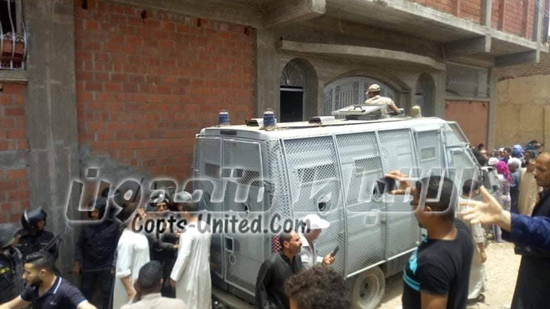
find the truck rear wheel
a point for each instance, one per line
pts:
(368, 289)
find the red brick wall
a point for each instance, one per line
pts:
(471, 9)
(14, 187)
(514, 12)
(471, 116)
(514, 16)
(146, 86)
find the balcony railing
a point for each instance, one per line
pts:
(13, 35)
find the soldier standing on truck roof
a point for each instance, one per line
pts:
(375, 98)
(313, 228)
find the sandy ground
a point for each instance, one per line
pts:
(501, 266)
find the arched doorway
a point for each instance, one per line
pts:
(350, 91)
(424, 96)
(298, 90)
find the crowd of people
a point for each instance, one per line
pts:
(172, 269)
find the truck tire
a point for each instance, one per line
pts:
(368, 289)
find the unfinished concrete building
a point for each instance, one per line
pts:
(124, 85)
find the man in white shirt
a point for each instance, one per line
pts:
(314, 226)
(375, 98)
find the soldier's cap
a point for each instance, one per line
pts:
(7, 234)
(374, 88)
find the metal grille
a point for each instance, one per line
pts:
(361, 167)
(278, 191)
(315, 188)
(402, 228)
(242, 169)
(207, 167)
(430, 156)
(13, 35)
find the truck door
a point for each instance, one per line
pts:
(207, 173)
(365, 215)
(315, 186)
(243, 250)
(397, 152)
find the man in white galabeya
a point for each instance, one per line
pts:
(191, 273)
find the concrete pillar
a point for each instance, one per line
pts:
(51, 114)
(440, 93)
(491, 128)
(268, 72)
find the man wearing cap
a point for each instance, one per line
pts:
(94, 252)
(375, 98)
(148, 286)
(11, 264)
(313, 225)
(33, 236)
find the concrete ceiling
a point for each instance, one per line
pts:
(388, 18)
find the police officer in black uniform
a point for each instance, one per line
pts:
(94, 253)
(163, 246)
(33, 236)
(11, 264)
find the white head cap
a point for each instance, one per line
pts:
(493, 161)
(315, 222)
(183, 197)
(514, 161)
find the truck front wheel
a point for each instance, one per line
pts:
(368, 289)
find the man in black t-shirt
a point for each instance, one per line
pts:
(438, 271)
(45, 289)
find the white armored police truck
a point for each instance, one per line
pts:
(268, 176)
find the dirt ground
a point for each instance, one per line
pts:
(501, 266)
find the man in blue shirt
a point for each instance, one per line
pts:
(531, 236)
(45, 289)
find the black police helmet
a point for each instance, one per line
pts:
(31, 217)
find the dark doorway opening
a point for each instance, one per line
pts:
(292, 104)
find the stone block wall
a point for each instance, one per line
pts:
(523, 110)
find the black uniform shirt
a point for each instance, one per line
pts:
(11, 271)
(62, 295)
(33, 243)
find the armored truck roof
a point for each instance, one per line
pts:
(303, 129)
